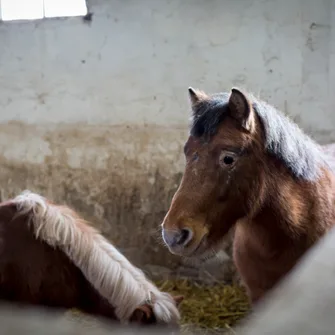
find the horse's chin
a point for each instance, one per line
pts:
(204, 255)
(205, 251)
(193, 250)
(200, 251)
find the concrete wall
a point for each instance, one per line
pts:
(95, 114)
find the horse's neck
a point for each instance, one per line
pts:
(299, 210)
(93, 303)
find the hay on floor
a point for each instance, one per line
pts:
(208, 307)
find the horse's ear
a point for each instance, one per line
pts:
(196, 96)
(178, 299)
(240, 108)
(142, 314)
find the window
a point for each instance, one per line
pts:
(39, 9)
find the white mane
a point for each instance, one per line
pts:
(112, 275)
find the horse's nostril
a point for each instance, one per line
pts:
(185, 236)
(179, 237)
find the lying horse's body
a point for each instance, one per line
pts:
(49, 256)
(251, 168)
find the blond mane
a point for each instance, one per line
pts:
(108, 271)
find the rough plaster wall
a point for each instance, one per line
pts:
(95, 114)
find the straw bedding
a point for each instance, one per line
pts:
(208, 308)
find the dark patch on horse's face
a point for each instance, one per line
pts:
(221, 177)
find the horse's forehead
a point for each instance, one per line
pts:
(225, 135)
(196, 144)
(194, 141)
(228, 135)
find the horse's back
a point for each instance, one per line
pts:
(30, 270)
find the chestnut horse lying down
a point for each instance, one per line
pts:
(304, 302)
(251, 169)
(52, 257)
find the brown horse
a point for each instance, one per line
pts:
(50, 256)
(249, 167)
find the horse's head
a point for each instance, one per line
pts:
(144, 314)
(223, 177)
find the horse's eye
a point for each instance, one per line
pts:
(228, 160)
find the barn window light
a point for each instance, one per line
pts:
(38, 9)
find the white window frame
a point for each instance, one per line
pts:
(82, 11)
